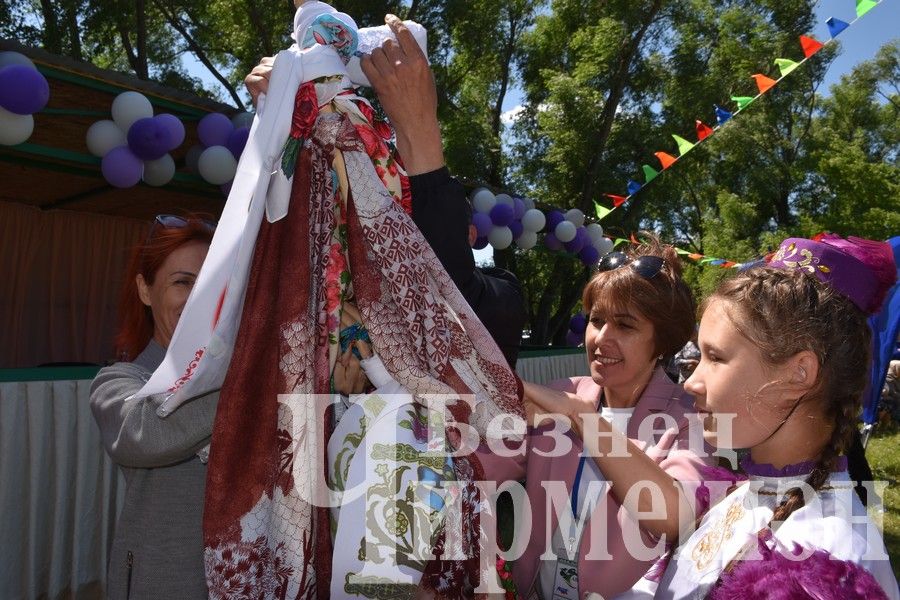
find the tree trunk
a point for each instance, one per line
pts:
(142, 70)
(51, 36)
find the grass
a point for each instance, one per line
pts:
(883, 453)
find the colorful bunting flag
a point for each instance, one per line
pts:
(703, 131)
(722, 115)
(742, 101)
(649, 173)
(619, 242)
(786, 65)
(763, 83)
(665, 159)
(864, 6)
(633, 187)
(601, 210)
(617, 200)
(684, 146)
(810, 45)
(836, 26)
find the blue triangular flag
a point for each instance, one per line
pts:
(633, 187)
(835, 26)
(722, 115)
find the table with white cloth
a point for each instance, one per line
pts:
(60, 493)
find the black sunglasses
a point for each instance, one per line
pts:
(647, 267)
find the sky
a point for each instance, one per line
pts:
(859, 42)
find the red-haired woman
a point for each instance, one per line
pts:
(158, 546)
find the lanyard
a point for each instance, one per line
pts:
(577, 483)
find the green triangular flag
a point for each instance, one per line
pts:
(682, 252)
(601, 210)
(619, 241)
(649, 174)
(864, 6)
(786, 65)
(706, 260)
(742, 101)
(684, 146)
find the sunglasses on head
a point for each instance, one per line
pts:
(175, 222)
(647, 267)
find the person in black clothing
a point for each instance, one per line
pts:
(403, 81)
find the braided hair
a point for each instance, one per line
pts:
(784, 312)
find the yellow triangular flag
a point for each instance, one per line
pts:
(786, 65)
(684, 146)
(601, 210)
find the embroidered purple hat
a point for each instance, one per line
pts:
(862, 270)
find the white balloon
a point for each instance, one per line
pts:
(14, 58)
(529, 203)
(128, 107)
(505, 199)
(217, 165)
(527, 240)
(193, 157)
(483, 200)
(242, 119)
(500, 237)
(604, 247)
(595, 232)
(576, 216)
(14, 129)
(103, 136)
(565, 231)
(533, 220)
(160, 171)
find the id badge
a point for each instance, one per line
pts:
(565, 584)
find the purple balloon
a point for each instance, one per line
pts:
(519, 207)
(578, 323)
(589, 256)
(502, 215)
(482, 223)
(149, 139)
(554, 218)
(552, 242)
(517, 228)
(574, 246)
(480, 243)
(574, 339)
(121, 167)
(214, 129)
(23, 90)
(175, 128)
(237, 139)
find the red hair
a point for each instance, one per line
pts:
(135, 318)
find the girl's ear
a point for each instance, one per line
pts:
(802, 371)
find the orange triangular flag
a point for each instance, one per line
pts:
(634, 239)
(617, 200)
(703, 131)
(763, 82)
(695, 256)
(665, 159)
(810, 45)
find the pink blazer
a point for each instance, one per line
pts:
(605, 577)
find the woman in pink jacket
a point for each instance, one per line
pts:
(586, 537)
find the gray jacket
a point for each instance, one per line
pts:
(158, 545)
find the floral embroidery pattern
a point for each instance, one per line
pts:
(802, 259)
(722, 530)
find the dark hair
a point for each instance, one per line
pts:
(784, 312)
(135, 318)
(664, 299)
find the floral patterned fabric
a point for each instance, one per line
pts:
(266, 523)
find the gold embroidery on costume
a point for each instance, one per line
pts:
(805, 261)
(708, 546)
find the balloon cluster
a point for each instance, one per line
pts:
(567, 232)
(577, 327)
(23, 92)
(135, 145)
(502, 219)
(222, 141)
